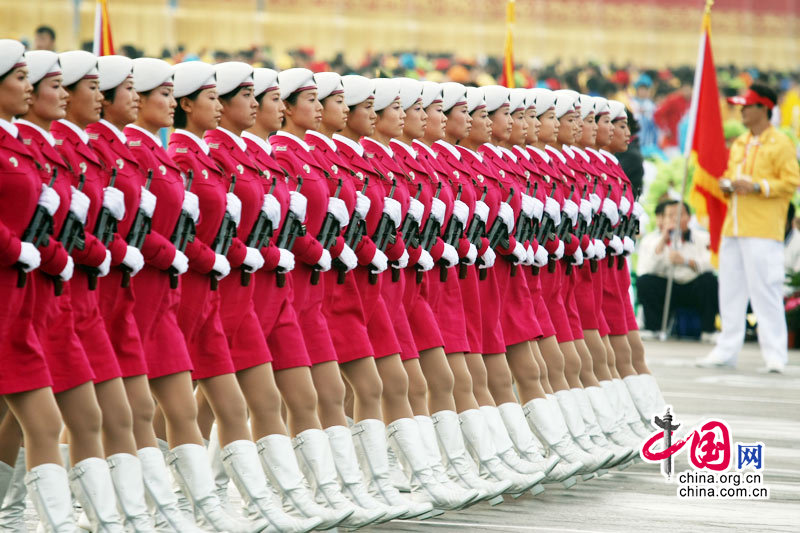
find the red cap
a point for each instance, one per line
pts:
(751, 98)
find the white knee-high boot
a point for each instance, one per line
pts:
(48, 487)
(630, 414)
(646, 396)
(574, 420)
(12, 506)
(609, 418)
(621, 454)
(126, 474)
(90, 481)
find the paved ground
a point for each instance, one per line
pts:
(757, 407)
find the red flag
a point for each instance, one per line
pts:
(507, 78)
(707, 142)
(103, 44)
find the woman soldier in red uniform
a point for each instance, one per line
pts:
(25, 382)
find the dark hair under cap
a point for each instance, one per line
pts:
(764, 90)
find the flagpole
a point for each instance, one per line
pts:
(677, 235)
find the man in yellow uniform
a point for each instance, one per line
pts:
(760, 181)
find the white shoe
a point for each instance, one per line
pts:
(648, 334)
(12, 506)
(570, 409)
(646, 396)
(772, 367)
(525, 442)
(396, 474)
(184, 504)
(90, 481)
(221, 479)
(48, 487)
(709, 337)
(192, 471)
(609, 419)
(712, 361)
(505, 446)
(621, 454)
(630, 413)
(547, 418)
(314, 454)
(126, 474)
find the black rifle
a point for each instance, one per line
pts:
(293, 227)
(618, 232)
(474, 233)
(227, 231)
(385, 233)
(71, 236)
(524, 226)
(562, 233)
(139, 230)
(452, 234)
(546, 229)
(260, 234)
(409, 232)
(499, 232)
(327, 235)
(38, 231)
(429, 233)
(104, 229)
(586, 230)
(356, 229)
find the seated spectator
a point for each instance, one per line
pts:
(694, 283)
(791, 249)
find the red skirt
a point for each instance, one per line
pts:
(584, 297)
(240, 323)
(553, 286)
(516, 311)
(156, 313)
(346, 322)
(308, 305)
(470, 296)
(448, 308)
(614, 308)
(91, 329)
(542, 312)
(422, 322)
(393, 294)
(278, 321)
(379, 325)
(571, 306)
(624, 283)
(22, 363)
(597, 286)
(54, 326)
(116, 307)
(492, 341)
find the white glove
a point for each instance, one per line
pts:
(272, 208)
(29, 257)
(286, 261)
(585, 209)
(298, 204)
(488, 258)
(628, 245)
(391, 207)
(506, 214)
(68, 271)
(559, 253)
(133, 259)
(338, 209)
(481, 211)
(362, 204)
(324, 262)
(553, 210)
(615, 245)
(450, 256)
(379, 262)
(610, 211)
(519, 253)
(402, 262)
(595, 201)
(538, 208)
(527, 205)
(233, 207)
(348, 257)
(577, 257)
(529, 256)
(114, 201)
(540, 258)
(415, 209)
(79, 205)
(624, 206)
(191, 204)
(472, 254)
(105, 266)
(589, 252)
(599, 250)
(461, 212)
(437, 210)
(571, 210)
(425, 260)
(253, 260)
(221, 266)
(147, 202)
(180, 262)
(638, 211)
(49, 199)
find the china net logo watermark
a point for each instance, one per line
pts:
(710, 455)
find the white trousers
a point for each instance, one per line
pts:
(751, 269)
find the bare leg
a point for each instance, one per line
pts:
(637, 352)
(263, 400)
(349, 400)
(117, 417)
(551, 353)
(205, 414)
(38, 416)
(537, 354)
(572, 364)
(362, 375)
(526, 371)
(480, 378)
(499, 378)
(174, 395)
(394, 400)
(587, 376)
(463, 395)
(299, 397)
(159, 422)
(227, 402)
(83, 419)
(143, 410)
(622, 355)
(610, 357)
(10, 439)
(597, 348)
(330, 393)
(417, 387)
(440, 380)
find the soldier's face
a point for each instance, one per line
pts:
(481, 131)
(519, 128)
(502, 123)
(125, 107)
(270, 113)
(589, 133)
(15, 93)
(49, 99)
(334, 112)
(85, 102)
(415, 122)
(204, 111)
(306, 113)
(532, 122)
(566, 128)
(622, 136)
(604, 131)
(362, 118)
(459, 122)
(548, 131)
(157, 107)
(437, 121)
(391, 120)
(241, 110)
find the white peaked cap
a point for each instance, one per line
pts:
(617, 109)
(328, 84)
(475, 99)
(530, 98)
(113, 71)
(431, 93)
(293, 80)
(565, 101)
(587, 105)
(386, 91)
(357, 89)
(600, 106)
(264, 79)
(496, 97)
(76, 65)
(231, 75)
(545, 100)
(12, 55)
(42, 64)
(410, 91)
(193, 76)
(517, 99)
(453, 94)
(149, 73)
